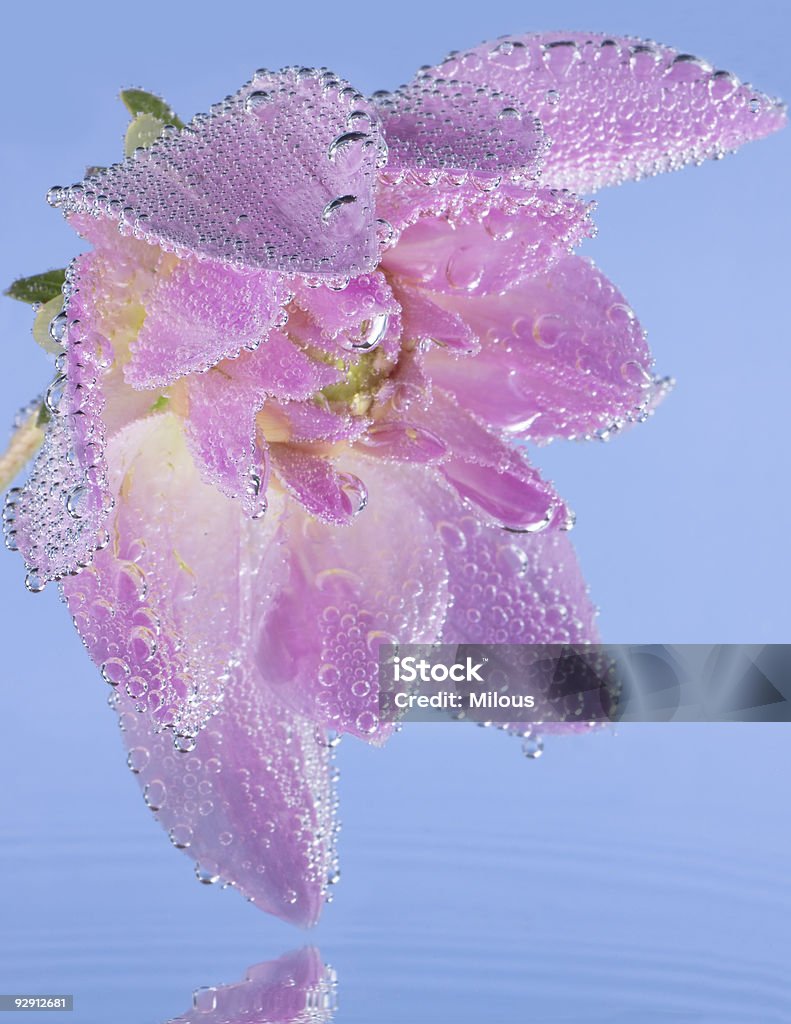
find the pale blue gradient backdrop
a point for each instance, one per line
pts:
(664, 861)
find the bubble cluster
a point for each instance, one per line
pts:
(454, 129)
(279, 176)
(616, 108)
(57, 521)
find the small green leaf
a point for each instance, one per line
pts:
(43, 417)
(142, 131)
(43, 319)
(38, 288)
(160, 405)
(138, 101)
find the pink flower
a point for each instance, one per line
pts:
(296, 365)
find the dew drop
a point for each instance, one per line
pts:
(331, 209)
(155, 794)
(355, 495)
(77, 501)
(58, 327)
(137, 759)
(372, 332)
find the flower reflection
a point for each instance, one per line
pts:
(295, 989)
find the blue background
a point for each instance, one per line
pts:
(634, 878)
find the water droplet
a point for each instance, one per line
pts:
(34, 581)
(137, 759)
(464, 269)
(346, 143)
(256, 101)
(155, 794)
(58, 327)
(204, 1000)
(207, 875)
(181, 836)
(114, 671)
(355, 495)
(546, 330)
(372, 332)
(533, 747)
(54, 394)
(77, 501)
(331, 209)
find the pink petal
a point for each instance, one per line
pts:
(308, 421)
(221, 187)
(361, 313)
(223, 404)
(332, 496)
(509, 588)
(200, 313)
(492, 476)
(379, 580)
(294, 989)
(480, 243)
(401, 441)
(564, 355)
(57, 520)
(166, 609)
(515, 498)
(617, 108)
(435, 124)
(252, 803)
(425, 321)
(170, 611)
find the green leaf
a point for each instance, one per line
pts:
(138, 101)
(160, 405)
(38, 288)
(41, 325)
(142, 131)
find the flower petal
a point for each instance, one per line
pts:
(424, 320)
(379, 580)
(221, 188)
(401, 441)
(494, 477)
(436, 124)
(200, 313)
(57, 520)
(563, 356)
(295, 989)
(171, 604)
(361, 312)
(252, 803)
(617, 108)
(510, 589)
(480, 243)
(223, 403)
(308, 421)
(332, 496)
